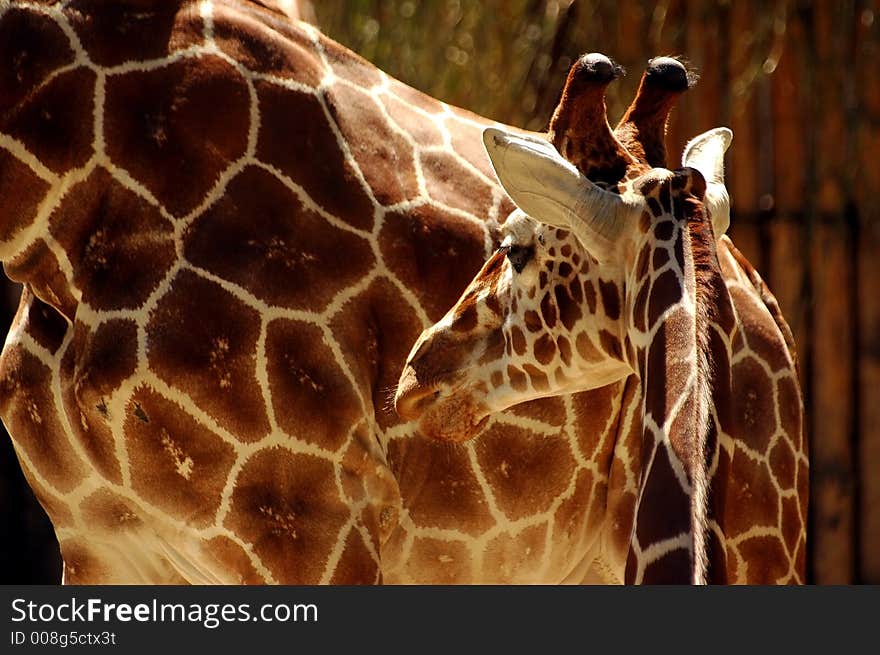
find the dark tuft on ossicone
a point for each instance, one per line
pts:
(670, 73)
(596, 68)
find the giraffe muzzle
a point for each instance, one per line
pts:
(445, 413)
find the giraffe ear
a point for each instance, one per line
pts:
(706, 153)
(551, 190)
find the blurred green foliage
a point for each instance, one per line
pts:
(507, 59)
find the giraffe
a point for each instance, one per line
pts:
(191, 397)
(229, 230)
(628, 277)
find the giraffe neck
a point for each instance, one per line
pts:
(682, 373)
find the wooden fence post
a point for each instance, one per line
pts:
(866, 189)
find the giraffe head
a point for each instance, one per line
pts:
(588, 264)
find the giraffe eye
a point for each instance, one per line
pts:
(519, 256)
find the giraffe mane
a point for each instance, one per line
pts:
(706, 275)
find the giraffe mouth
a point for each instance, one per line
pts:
(456, 419)
(446, 407)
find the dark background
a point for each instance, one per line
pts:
(799, 83)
